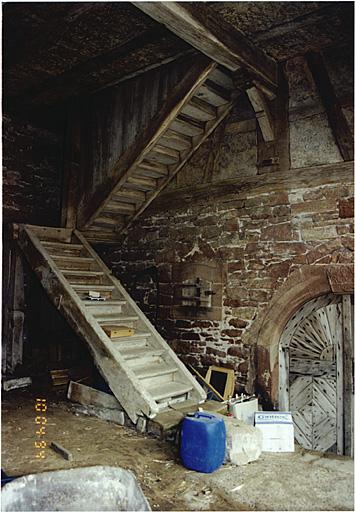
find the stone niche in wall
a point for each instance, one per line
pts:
(197, 290)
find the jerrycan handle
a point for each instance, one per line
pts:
(205, 415)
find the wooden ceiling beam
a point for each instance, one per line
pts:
(207, 31)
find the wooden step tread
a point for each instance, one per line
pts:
(115, 320)
(84, 273)
(103, 303)
(169, 390)
(141, 183)
(74, 259)
(175, 140)
(200, 109)
(100, 225)
(213, 94)
(150, 173)
(135, 337)
(135, 353)
(92, 287)
(115, 206)
(172, 155)
(185, 125)
(111, 219)
(154, 370)
(153, 166)
(129, 195)
(61, 245)
(221, 78)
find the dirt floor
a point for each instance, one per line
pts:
(297, 481)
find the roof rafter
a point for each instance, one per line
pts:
(206, 31)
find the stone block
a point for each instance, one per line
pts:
(341, 278)
(246, 313)
(215, 352)
(319, 233)
(348, 242)
(282, 232)
(280, 269)
(244, 442)
(141, 425)
(232, 333)
(235, 352)
(313, 206)
(346, 208)
(238, 323)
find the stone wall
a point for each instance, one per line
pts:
(258, 224)
(260, 238)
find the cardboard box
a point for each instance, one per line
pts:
(118, 331)
(277, 429)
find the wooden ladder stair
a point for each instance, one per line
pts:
(196, 108)
(142, 371)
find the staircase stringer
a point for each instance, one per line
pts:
(147, 139)
(173, 170)
(134, 306)
(133, 397)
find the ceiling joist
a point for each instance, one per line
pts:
(206, 31)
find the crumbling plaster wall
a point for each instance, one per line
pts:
(260, 227)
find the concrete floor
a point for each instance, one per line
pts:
(298, 481)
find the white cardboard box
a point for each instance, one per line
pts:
(277, 429)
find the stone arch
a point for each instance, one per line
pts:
(303, 285)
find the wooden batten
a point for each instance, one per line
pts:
(262, 113)
(348, 347)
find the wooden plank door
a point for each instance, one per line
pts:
(316, 384)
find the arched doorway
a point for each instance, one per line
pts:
(303, 286)
(311, 363)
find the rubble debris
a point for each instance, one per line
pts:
(23, 382)
(62, 451)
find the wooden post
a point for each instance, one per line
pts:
(348, 377)
(13, 305)
(338, 342)
(284, 399)
(274, 155)
(72, 167)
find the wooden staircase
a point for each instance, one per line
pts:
(196, 107)
(143, 372)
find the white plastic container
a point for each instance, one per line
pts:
(245, 411)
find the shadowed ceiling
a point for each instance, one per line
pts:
(53, 52)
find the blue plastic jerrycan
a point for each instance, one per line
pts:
(203, 442)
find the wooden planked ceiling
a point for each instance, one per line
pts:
(287, 29)
(54, 52)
